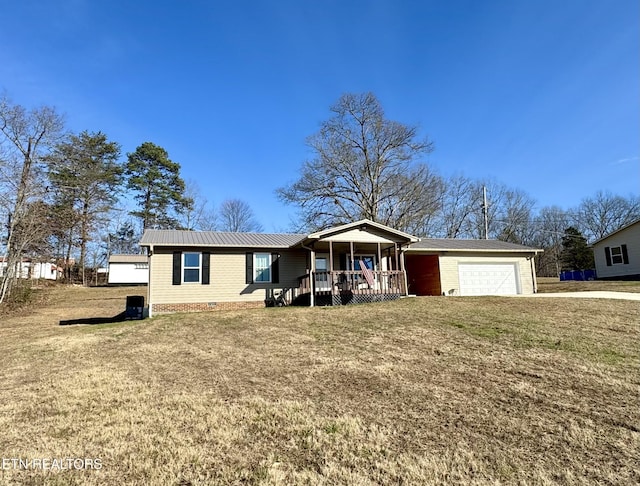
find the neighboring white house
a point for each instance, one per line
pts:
(46, 270)
(27, 268)
(617, 255)
(128, 269)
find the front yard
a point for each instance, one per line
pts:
(418, 391)
(550, 284)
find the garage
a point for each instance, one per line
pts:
(488, 279)
(457, 267)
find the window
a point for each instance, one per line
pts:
(321, 264)
(262, 267)
(369, 261)
(191, 267)
(616, 255)
(140, 266)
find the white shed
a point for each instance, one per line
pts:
(128, 269)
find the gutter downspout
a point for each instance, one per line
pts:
(149, 255)
(311, 275)
(533, 273)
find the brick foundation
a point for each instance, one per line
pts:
(204, 307)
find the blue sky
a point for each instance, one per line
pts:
(541, 95)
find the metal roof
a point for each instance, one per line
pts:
(363, 223)
(128, 259)
(219, 239)
(453, 244)
(287, 240)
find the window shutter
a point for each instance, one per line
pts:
(275, 268)
(177, 267)
(625, 255)
(607, 255)
(206, 257)
(249, 268)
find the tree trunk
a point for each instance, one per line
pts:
(147, 211)
(83, 239)
(14, 246)
(67, 259)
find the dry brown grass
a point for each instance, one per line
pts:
(550, 284)
(420, 391)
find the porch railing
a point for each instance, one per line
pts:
(337, 281)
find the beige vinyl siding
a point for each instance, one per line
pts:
(630, 237)
(449, 278)
(227, 277)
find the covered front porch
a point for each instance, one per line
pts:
(351, 287)
(356, 263)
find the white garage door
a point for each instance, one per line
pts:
(488, 278)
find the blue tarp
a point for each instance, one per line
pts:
(578, 275)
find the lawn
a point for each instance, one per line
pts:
(549, 284)
(434, 390)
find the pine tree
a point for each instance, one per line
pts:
(124, 240)
(157, 187)
(576, 254)
(85, 173)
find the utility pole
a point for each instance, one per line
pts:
(485, 212)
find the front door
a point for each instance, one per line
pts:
(423, 274)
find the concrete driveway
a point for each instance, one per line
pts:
(592, 294)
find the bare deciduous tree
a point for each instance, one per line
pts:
(199, 215)
(604, 213)
(459, 201)
(365, 166)
(25, 136)
(550, 225)
(237, 216)
(515, 217)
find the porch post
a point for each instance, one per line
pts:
(381, 284)
(404, 272)
(395, 253)
(353, 266)
(331, 270)
(312, 279)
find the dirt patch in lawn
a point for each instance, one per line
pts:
(419, 391)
